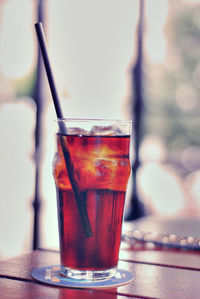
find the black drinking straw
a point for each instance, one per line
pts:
(63, 131)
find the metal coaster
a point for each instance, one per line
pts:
(51, 275)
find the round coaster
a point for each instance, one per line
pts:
(51, 275)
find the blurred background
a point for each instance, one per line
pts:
(128, 59)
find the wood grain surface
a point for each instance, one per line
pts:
(158, 274)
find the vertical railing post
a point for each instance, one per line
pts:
(37, 96)
(136, 208)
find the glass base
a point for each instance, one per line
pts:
(88, 274)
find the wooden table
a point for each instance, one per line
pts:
(158, 274)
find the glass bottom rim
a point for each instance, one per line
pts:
(88, 274)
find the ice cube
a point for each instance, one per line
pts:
(104, 168)
(106, 131)
(76, 131)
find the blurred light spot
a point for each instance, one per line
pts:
(156, 12)
(186, 97)
(193, 182)
(191, 158)
(16, 47)
(173, 62)
(152, 149)
(155, 39)
(160, 189)
(156, 46)
(16, 175)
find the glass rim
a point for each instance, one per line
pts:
(93, 119)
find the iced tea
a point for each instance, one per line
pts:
(102, 168)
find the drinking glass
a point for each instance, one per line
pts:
(93, 153)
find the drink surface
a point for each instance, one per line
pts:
(102, 168)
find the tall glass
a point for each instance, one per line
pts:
(99, 154)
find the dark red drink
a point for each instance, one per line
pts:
(102, 168)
